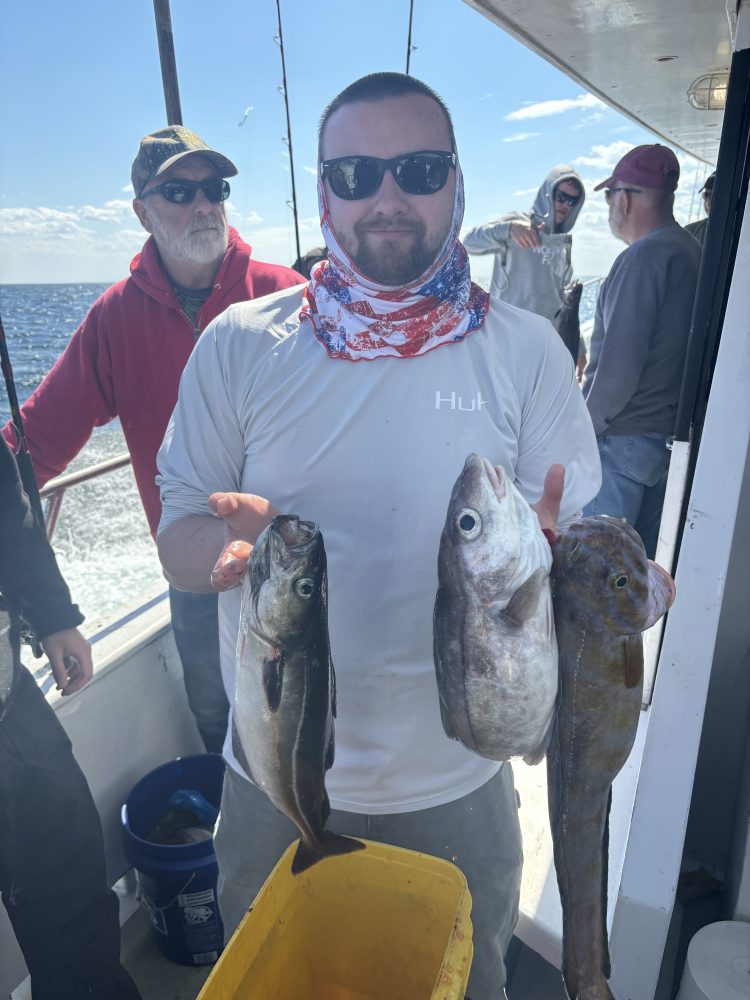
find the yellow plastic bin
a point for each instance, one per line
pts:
(379, 924)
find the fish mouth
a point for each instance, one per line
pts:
(293, 538)
(478, 466)
(661, 593)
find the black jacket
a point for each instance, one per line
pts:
(30, 580)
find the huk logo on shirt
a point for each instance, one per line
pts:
(452, 401)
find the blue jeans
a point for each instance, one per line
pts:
(634, 480)
(195, 623)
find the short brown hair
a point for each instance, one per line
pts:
(376, 87)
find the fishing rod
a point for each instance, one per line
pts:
(165, 39)
(23, 458)
(409, 47)
(279, 39)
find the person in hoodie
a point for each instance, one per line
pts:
(533, 249)
(126, 358)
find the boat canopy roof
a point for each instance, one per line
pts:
(641, 57)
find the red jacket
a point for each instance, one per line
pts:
(125, 360)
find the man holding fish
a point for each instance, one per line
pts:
(304, 403)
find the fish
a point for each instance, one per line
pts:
(566, 318)
(605, 593)
(494, 641)
(285, 695)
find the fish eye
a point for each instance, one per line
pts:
(468, 523)
(304, 587)
(620, 581)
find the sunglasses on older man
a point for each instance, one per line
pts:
(183, 192)
(566, 199)
(355, 177)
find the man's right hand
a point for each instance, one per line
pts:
(524, 235)
(245, 515)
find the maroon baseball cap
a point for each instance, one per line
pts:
(646, 166)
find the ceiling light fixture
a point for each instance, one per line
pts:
(709, 92)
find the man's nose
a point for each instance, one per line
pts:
(390, 198)
(201, 203)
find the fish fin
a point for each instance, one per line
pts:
(523, 603)
(330, 753)
(332, 843)
(332, 675)
(325, 808)
(239, 752)
(633, 661)
(606, 964)
(273, 674)
(447, 727)
(535, 756)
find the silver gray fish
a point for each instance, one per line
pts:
(566, 318)
(285, 696)
(605, 593)
(493, 635)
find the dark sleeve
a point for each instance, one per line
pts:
(630, 314)
(29, 576)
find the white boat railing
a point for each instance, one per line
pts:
(54, 491)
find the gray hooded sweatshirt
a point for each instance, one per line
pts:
(531, 279)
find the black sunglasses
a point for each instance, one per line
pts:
(610, 191)
(566, 199)
(183, 192)
(355, 177)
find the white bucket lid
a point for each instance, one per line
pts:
(718, 963)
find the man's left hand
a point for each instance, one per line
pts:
(548, 507)
(70, 659)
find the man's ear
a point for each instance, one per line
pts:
(142, 212)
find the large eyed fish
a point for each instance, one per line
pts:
(285, 695)
(494, 640)
(605, 593)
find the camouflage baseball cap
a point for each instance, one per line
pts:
(160, 150)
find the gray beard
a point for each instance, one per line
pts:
(192, 246)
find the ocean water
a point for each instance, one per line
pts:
(102, 541)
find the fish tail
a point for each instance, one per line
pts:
(308, 854)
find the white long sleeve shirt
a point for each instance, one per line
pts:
(370, 451)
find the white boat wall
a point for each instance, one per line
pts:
(684, 795)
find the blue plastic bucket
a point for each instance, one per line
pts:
(177, 881)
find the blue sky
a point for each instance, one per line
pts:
(81, 85)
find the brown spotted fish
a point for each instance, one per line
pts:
(605, 594)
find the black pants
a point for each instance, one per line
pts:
(52, 871)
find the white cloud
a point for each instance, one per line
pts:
(604, 157)
(524, 192)
(520, 136)
(593, 119)
(311, 170)
(543, 109)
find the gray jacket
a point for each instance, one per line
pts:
(531, 279)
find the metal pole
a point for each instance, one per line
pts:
(409, 46)
(288, 139)
(168, 64)
(23, 459)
